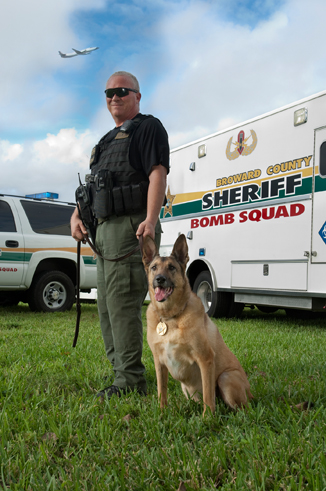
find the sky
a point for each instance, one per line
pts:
(203, 65)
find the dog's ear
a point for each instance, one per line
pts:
(149, 250)
(180, 250)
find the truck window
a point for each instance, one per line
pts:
(7, 222)
(322, 160)
(47, 218)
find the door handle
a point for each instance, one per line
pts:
(12, 243)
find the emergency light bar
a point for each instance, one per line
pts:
(43, 195)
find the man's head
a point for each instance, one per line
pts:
(126, 107)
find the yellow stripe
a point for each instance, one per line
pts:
(186, 197)
(86, 251)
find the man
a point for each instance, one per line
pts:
(136, 154)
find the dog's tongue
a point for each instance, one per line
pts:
(162, 294)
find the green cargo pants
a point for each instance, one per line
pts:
(121, 290)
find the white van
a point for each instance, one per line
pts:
(252, 202)
(38, 256)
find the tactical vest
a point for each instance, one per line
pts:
(116, 187)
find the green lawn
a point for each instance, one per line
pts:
(56, 435)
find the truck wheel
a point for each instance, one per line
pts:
(51, 292)
(236, 308)
(216, 304)
(266, 309)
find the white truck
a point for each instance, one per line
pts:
(38, 256)
(252, 202)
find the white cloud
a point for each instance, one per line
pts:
(217, 70)
(209, 74)
(31, 33)
(33, 95)
(65, 147)
(10, 152)
(51, 164)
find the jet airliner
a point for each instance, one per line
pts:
(86, 51)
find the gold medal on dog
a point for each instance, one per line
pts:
(161, 328)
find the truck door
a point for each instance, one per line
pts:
(12, 249)
(318, 249)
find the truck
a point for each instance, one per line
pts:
(38, 256)
(251, 200)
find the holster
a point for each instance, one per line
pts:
(84, 204)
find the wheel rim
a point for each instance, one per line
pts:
(54, 295)
(204, 292)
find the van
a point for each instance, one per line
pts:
(251, 201)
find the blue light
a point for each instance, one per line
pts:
(43, 195)
(202, 252)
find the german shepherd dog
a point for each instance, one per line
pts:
(183, 339)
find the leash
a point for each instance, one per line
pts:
(78, 308)
(116, 259)
(92, 246)
(92, 243)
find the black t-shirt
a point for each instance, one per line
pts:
(149, 145)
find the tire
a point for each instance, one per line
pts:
(51, 291)
(236, 308)
(266, 309)
(216, 304)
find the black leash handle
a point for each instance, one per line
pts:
(78, 309)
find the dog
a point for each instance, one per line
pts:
(183, 339)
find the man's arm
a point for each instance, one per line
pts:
(78, 231)
(155, 197)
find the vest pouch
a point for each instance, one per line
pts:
(103, 201)
(129, 199)
(137, 197)
(119, 208)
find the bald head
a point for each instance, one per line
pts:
(134, 84)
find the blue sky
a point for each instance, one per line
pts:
(202, 65)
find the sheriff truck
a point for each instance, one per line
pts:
(251, 201)
(38, 256)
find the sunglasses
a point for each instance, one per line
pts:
(119, 91)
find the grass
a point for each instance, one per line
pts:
(56, 435)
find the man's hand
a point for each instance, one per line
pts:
(156, 192)
(78, 231)
(146, 228)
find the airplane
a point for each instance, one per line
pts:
(67, 55)
(86, 51)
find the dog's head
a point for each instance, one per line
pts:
(165, 274)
